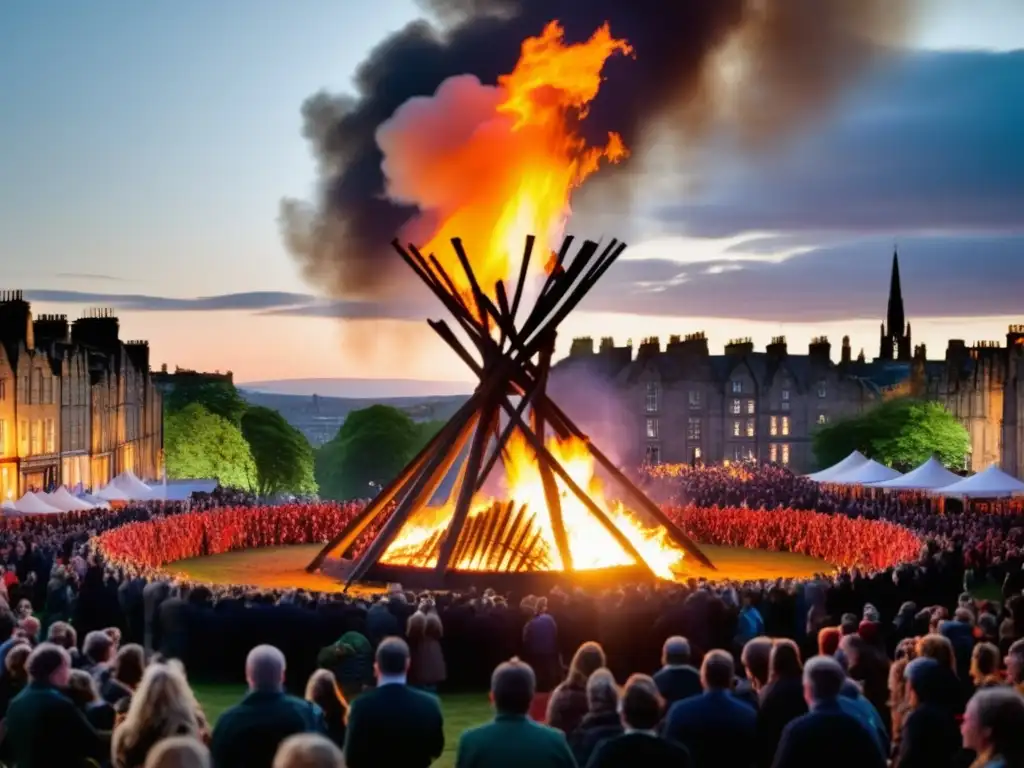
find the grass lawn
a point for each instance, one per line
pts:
(461, 711)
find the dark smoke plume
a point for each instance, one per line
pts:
(754, 69)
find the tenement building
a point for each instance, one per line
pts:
(77, 405)
(681, 403)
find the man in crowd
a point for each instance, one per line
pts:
(827, 734)
(716, 727)
(393, 724)
(677, 679)
(43, 728)
(513, 739)
(248, 734)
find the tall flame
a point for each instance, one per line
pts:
(527, 162)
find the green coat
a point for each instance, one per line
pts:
(248, 734)
(44, 729)
(394, 725)
(514, 741)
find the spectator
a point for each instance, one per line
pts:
(568, 703)
(43, 728)
(82, 691)
(870, 669)
(179, 752)
(641, 745)
(717, 728)
(750, 623)
(512, 740)
(322, 690)
(929, 738)
(826, 734)
(125, 676)
(249, 733)
(540, 642)
(98, 650)
(602, 720)
(677, 679)
(308, 750)
(985, 665)
(15, 676)
(163, 706)
(1015, 664)
(427, 668)
(781, 701)
(393, 707)
(994, 728)
(754, 657)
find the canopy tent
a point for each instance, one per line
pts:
(8, 506)
(135, 489)
(31, 504)
(62, 499)
(868, 472)
(991, 483)
(181, 490)
(112, 492)
(93, 502)
(855, 459)
(927, 477)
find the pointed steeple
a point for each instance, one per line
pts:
(895, 318)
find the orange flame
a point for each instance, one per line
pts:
(525, 166)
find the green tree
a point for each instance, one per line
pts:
(200, 444)
(900, 433)
(282, 454)
(218, 397)
(371, 447)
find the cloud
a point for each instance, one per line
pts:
(935, 143)
(90, 276)
(254, 301)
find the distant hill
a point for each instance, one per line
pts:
(360, 388)
(319, 417)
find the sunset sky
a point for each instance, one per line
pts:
(145, 147)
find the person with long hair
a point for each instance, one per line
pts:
(781, 700)
(179, 752)
(427, 667)
(163, 706)
(986, 662)
(322, 689)
(125, 675)
(993, 727)
(568, 703)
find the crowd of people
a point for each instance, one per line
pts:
(891, 631)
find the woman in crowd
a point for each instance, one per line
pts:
(82, 691)
(14, 677)
(929, 738)
(986, 663)
(992, 727)
(937, 647)
(125, 676)
(308, 750)
(602, 720)
(899, 707)
(322, 690)
(163, 706)
(179, 752)
(426, 661)
(781, 700)
(568, 703)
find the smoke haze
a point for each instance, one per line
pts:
(750, 69)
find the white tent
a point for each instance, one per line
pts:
(868, 472)
(30, 504)
(181, 490)
(134, 488)
(92, 502)
(8, 506)
(112, 492)
(855, 459)
(928, 476)
(62, 499)
(992, 483)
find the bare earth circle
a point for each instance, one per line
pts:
(285, 567)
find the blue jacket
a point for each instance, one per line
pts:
(716, 727)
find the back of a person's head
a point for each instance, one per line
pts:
(675, 652)
(392, 656)
(756, 656)
(588, 658)
(45, 660)
(97, 646)
(602, 692)
(998, 713)
(784, 661)
(264, 668)
(416, 626)
(16, 660)
(130, 664)
(823, 679)
(179, 752)
(938, 647)
(717, 671)
(828, 641)
(63, 634)
(642, 705)
(308, 750)
(162, 705)
(985, 661)
(322, 689)
(81, 688)
(513, 686)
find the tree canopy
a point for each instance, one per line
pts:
(372, 446)
(218, 397)
(200, 444)
(900, 433)
(282, 454)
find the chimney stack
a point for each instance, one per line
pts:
(51, 328)
(819, 350)
(847, 353)
(739, 347)
(649, 347)
(97, 328)
(692, 345)
(582, 346)
(777, 349)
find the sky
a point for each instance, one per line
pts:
(145, 147)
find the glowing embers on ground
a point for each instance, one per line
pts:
(517, 535)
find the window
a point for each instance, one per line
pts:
(49, 437)
(652, 429)
(693, 430)
(23, 388)
(822, 389)
(47, 388)
(773, 453)
(737, 387)
(696, 454)
(37, 386)
(823, 418)
(736, 428)
(785, 454)
(785, 395)
(773, 427)
(734, 407)
(3, 438)
(785, 405)
(3, 389)
(750, 428)
(653, 455)
(23, 437)
(651, 405)
(785, 425)
(750, 407)
(738, 454)
(36, 438)
(694, 399)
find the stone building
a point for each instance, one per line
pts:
(77, 405)
(681, 403)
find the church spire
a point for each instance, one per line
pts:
(895, 342)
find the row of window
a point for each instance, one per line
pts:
(653, 398)
(777, 425)
(778, 453)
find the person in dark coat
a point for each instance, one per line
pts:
(781, 700)
(677, 679)
(642, 709)
(717, 728)
(602, 720)
(393, 724)
(827, 735)
(43, 728)
(568, 703)
(512, 739)
(153, 596)
(931, 737)
(248, 734)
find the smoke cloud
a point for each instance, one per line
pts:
(749, 70)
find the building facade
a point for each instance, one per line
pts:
(77, 405)
(681, 403)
